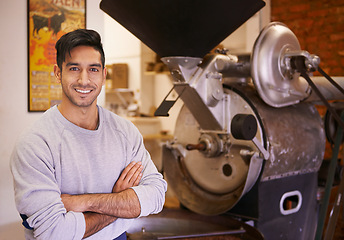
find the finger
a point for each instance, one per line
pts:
(138, 179)
(136, 175)
(126, 170)
(132, 171)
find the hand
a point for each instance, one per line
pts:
(130, 177)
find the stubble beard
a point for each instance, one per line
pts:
(73, 100)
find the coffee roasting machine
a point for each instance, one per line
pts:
(248, 141)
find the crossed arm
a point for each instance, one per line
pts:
(102, 209)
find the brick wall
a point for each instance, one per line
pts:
(319, 27)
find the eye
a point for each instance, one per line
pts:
(94, 69)
(74, 69)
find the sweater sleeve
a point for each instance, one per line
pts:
(152, 187)
(151, 190)
(37, 194)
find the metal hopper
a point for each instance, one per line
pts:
(181, 27)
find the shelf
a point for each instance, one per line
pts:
(152, 73)
(163, 137)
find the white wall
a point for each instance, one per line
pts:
(13, 96)
(120, 46)
(14, 117)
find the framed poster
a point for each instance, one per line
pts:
(48, 20)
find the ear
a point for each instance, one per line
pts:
(104, 76)
(57, 73)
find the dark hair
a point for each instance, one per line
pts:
(79, 37)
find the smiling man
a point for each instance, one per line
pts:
(83, 77)
(81, 171)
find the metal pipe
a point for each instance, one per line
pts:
(329, 91)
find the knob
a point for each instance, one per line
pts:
(199, 146)
(244, 126)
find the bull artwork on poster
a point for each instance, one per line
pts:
(48, 20)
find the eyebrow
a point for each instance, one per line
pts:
(77, 64)
(96, 65)
(71, 64)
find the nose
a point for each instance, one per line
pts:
(84, 78)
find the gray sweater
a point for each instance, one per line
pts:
(55, 157)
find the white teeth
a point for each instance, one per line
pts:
(83, 91)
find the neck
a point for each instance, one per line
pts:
(86, 117)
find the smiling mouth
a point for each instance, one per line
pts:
(83, 91)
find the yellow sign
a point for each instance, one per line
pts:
(48, 21)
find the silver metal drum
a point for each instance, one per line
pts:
(293, 136)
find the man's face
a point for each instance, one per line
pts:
(82, 76)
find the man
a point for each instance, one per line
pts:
(82, 171)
